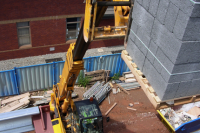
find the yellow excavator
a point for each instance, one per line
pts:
(85, 116)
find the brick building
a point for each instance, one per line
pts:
(30, 28)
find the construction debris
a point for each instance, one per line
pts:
(98, 91)
(131, 108)
(45, 99)
(108, 99)
(110, 109)
(37, 96)
(130, 86)
(129, 77)
(15, 102)
(130, 80)
(15, 98)
(111, 85)
(195, 111)
(98, 75)
(136, 103)
(130, 104)
(114, 91)
(184, 113)
(123, 89)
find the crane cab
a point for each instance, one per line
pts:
(88, 116)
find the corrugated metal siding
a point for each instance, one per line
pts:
(8, 85)
(43, 76)
(107, 62)
(33, 78)
(58, 70)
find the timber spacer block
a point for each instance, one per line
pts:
(125, 52)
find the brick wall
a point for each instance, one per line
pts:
(106, 43)
(32, 52)
(48, 32)
(43, 32)
(106, 22)
(19, 53)
(8, 37)
(12, 9)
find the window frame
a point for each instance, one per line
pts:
(23, 46)
(75, 30)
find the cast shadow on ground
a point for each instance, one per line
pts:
(113, 126)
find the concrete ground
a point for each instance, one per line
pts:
(34, 60)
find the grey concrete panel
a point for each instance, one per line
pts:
(141, 46)
(154, 79)
(153, 48)
(134, 28)
(142, 18)
(176, 78)
(196, 11)
(145, 4)
(196, 75)
(129, 48)
(170, 89)
(163, 59)
(153, 7)
(139, 1)
(146, 69)
(186, 6)
(180, 25)
(164, 90)
(194, 88)
(171, 16)
(176, 2)
(166, 41)
(132, 36)
(192, 31)
(162, 10)
(143, 36)
(138, 57)
(189, 53)
(183, 88)
(180, 68)
(157, 66)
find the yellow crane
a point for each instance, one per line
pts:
(85, 115)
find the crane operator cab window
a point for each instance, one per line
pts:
(89, 117)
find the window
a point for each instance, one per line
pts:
(23, 31)
(73, 27)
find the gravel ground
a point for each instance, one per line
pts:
(27, 61)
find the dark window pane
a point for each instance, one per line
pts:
(71, 26)
(23, 31)
(73, 19)
(24, 40)
(22, 24)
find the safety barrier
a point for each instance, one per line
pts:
(43, 76)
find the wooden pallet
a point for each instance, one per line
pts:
(148, 89)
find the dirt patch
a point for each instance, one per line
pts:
(143, 120)
(122, 120)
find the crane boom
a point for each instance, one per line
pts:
(61, 99)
